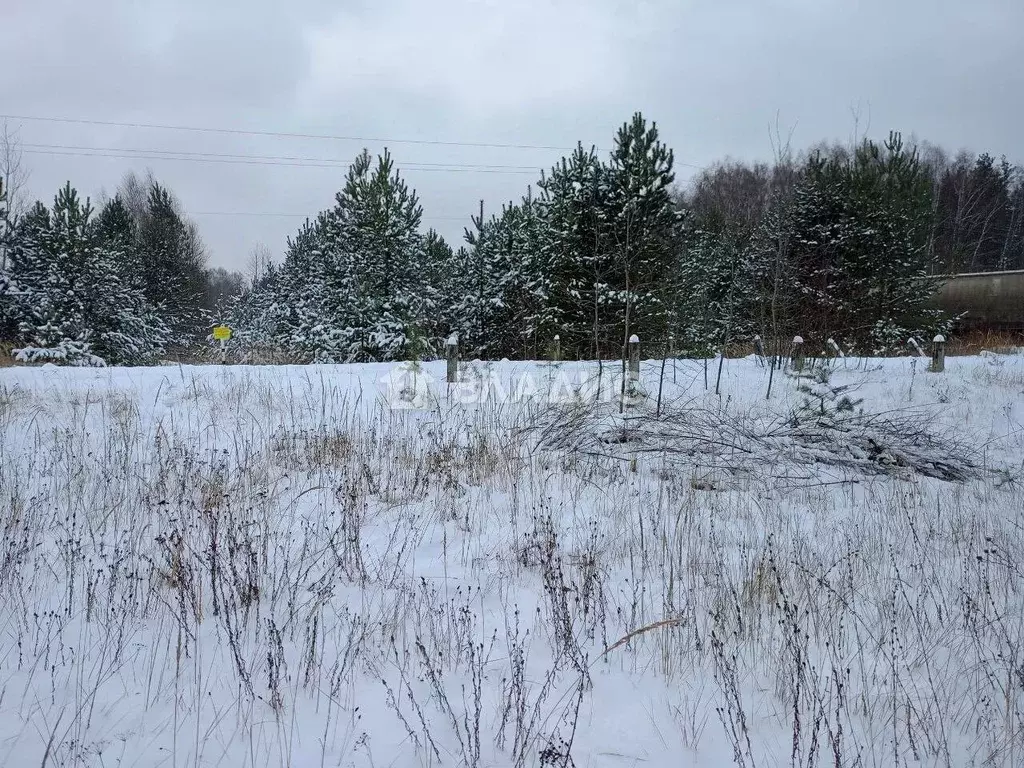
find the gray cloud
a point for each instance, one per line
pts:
(713, 74)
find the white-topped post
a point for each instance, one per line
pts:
(672, 354)
(451, 348)
(758, 346)
(797, 355)
(634, 358)
(938, 354)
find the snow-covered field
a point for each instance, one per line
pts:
(270, 566)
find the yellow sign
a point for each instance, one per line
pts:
(222, 333)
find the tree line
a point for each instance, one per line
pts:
(121, 284)
(842, 242)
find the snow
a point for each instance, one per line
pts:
(268, 566)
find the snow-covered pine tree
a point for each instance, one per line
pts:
(127, 329)
(445, 286)
(824, 404)
(353, 285)
(476, 308)
(314, 314)
(49, 257)
(512, 240)
(892, 197)
(644, 228)
(573, 273)
(70, 301)
(456, 286)
(253, 315)
(819, 225)
(380, 217)
(483, 312)
(172, 264)
(494, 283)
(522, 234)
(860, 254)
(708, 297)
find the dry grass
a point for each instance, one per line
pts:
(965, 343)
(973, 342)
(6, 356)
(960, 343)
(267, 562)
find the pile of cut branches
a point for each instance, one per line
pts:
(765, 443)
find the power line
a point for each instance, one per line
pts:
(290, 158)
(253, 213)
(278, 134)
(282, 134)
(268, 214)
(214, 158)
(121, 155)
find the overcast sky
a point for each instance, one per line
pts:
(713, 73)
